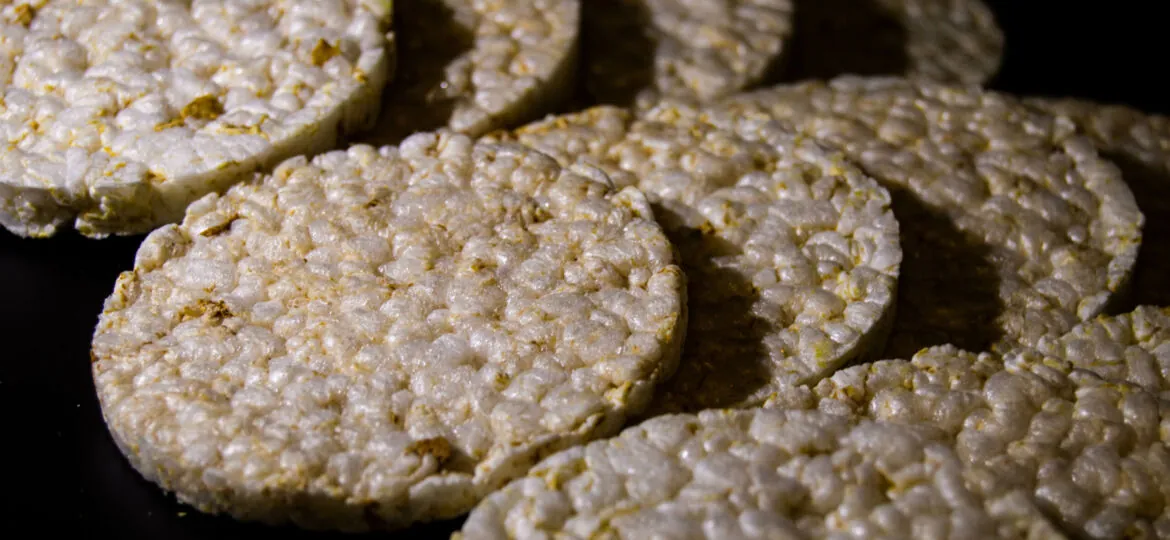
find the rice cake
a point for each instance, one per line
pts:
(117, 115)
(952, 41)
(1139, 144)
(1089, 453)
(636, 50)
(475, 66)
(791, 253)
(1013, 228)
(753, 474)
(1133, 347)
(380, 337)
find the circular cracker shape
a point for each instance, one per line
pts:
(791, 253)
(1139, 144)
(381, 337)
(636, 50)
(117, 115)
(953, 41)
(1088, 453)
(475, 66)
(1012, 227)
(751, 474)
(1133, 347)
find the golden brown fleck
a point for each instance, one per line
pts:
(23, 14)
(232, 129)
(204, 107)
(212, 311)
(218, 229)
(322, 52)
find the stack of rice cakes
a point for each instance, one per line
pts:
(375, 337)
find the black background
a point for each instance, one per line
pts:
(60, 472)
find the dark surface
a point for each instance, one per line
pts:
(61, 470)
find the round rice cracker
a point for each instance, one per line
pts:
(638, 50)
(1133, 347)
(952, 41)
(791, 253)
(117, 115)
(1013, 228)
(1139, 144)
(1088, 452)
(754, 474)
(474, 66)
(380, 337)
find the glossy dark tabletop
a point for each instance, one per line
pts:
(60, 469)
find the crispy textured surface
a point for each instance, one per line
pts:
(375, 338)
(117, 115)
(1139, 144)
(754, 474)
(637, 50)
(474, 66)
(791, 253)
(954, 41)
(1090, 453)
(1013, 228)
(1133, 347)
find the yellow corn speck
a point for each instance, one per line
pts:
(174, 122)
(23, 14)
(322, 52)
(204, 107)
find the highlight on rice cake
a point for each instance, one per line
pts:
(374, 338)
(118, 114)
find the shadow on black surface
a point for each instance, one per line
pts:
(1151, 279)
(416, 101)
(839, 37)
(52, 291)
(948, 289)
(615, 42)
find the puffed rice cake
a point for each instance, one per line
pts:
(1133, 347)
(379, 337)
(791, 253)
(118, 114)
(638, 50)
(755, 474)
(1013, 228)
(1090, 453)
(475, 66)
(1139, 144)
(952, 41)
